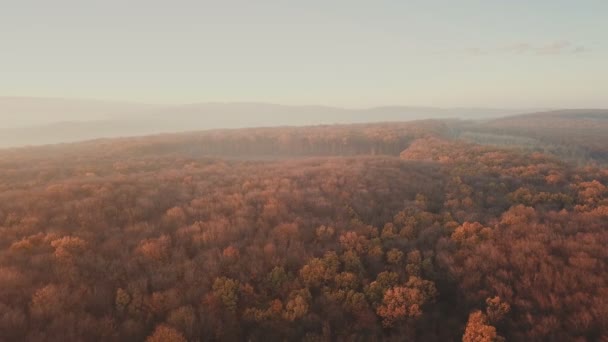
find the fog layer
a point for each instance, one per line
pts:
(33, 121)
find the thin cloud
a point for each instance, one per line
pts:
(561, 47)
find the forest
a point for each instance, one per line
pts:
(399, 231)
(574, 135)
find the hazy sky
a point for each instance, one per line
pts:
(515, 53)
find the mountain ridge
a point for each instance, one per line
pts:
(38, 121)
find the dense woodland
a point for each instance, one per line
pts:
(332, 233)
(578, 136)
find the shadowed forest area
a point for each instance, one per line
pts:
(436, 230)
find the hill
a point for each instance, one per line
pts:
(31, 121)
(34, 111)
(351, 232)
(577, 135)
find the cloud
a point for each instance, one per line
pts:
(560, 47)
(554, 48)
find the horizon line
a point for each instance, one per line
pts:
(253, 102)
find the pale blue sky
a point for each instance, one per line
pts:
(515, 53)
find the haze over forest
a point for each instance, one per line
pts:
(315, 171)
(34, 121)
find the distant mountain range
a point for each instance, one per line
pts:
(35, 121)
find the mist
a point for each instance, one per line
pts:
(39, 121)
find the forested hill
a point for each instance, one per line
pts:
(37, 121)
(570, 114)
(384, 232)
(577, 135)
(253, 143)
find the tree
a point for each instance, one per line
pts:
(470, 233)
(227, 291)
(496, 309)
(403, 302)
(376, 289)
(394, 256)
(183, 319)
(399, 303)
(122, 300)
(295, 308)
(318, 271)
(478, 329)
(164, 333)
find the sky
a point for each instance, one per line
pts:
(467, 53)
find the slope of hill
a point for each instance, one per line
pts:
(429, 239)
(249, 143)
(578, 135)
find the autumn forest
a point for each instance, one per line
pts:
(433, 230)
